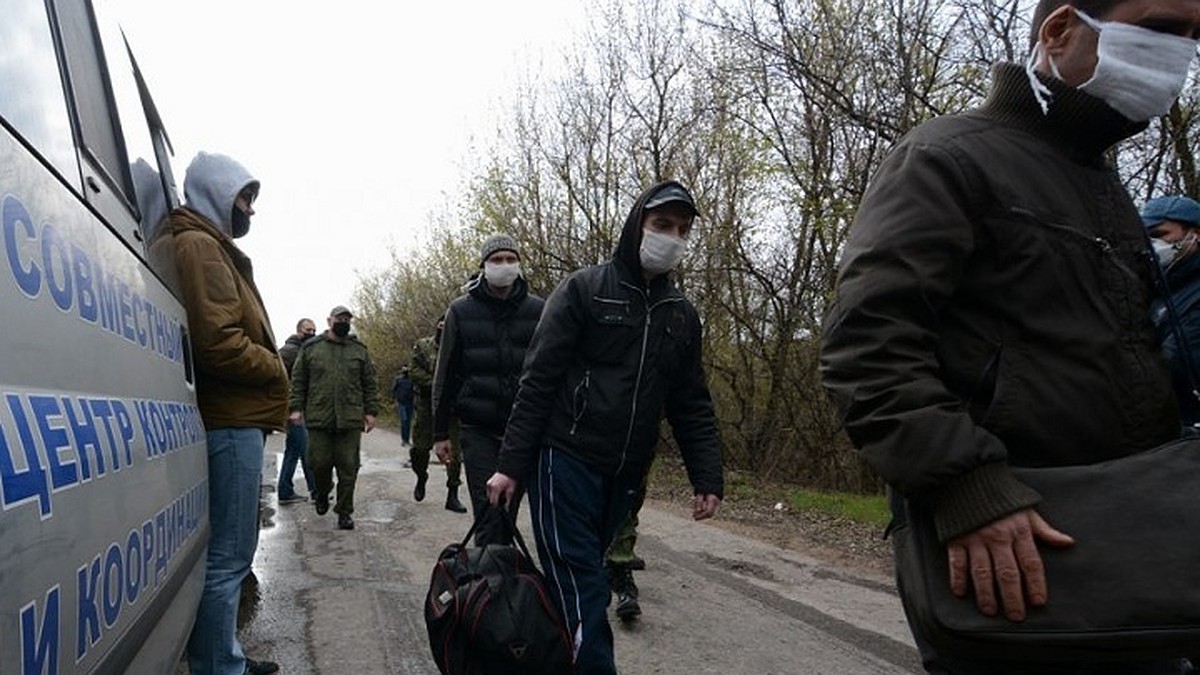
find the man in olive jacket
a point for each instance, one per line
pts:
(241, 388)
(336, 397)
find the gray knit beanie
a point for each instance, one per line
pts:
(497, 242)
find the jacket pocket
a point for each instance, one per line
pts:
(616, 331)
(674, 341)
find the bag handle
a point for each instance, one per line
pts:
(507, 519)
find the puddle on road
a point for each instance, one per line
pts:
(386, 465)
(377, 511)
(251, 599)
(251, 591)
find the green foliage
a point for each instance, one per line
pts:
(402, 304)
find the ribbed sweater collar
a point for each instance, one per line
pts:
(1079, 123)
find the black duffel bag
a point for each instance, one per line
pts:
(488, 612)
(1128, 589)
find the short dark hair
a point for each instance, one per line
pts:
(1094, 8)
(300, 324)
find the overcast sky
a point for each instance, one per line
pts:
(358, 117)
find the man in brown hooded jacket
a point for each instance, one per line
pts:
(241, 387)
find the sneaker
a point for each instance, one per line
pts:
(345, 522)
(322, 504)
(628, 608)
(622, 584)
(292, 499)
(419, 491)
(261, 667)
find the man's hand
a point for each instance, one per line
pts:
(704, 506)
(500, 486)
(368, 423)
(1003, 555)
(296, 418)
(443, 450)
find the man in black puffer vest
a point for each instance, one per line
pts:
(479, 362)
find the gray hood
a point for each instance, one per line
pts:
(151, 200)
(212, 184)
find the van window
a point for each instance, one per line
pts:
(88, 82)
(147, 195)
(31, 94)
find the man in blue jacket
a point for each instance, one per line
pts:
(1173, 224)
(617, 347)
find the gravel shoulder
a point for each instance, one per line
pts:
(839, 542)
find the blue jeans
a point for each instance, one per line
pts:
(405, 412)
(575, 513)
(235, 458)
(295, 449)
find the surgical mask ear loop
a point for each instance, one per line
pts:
(1041, 93)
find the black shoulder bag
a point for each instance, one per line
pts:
(1128, 589)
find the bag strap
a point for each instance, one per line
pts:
(474, 526)
(516, 534)
(508, 521)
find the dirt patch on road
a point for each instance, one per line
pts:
(839, 542)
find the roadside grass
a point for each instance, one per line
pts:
(668, 479)
(865, 509)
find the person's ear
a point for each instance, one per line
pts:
(1057, 31)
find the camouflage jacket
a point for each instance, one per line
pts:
(424, 362)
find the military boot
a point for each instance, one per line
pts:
(620, 579)
(452, 503)
(419, 491)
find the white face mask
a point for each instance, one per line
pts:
(660, 253)
(1165, 251)
(1169, 253)
(1139, 72)
(501, 275)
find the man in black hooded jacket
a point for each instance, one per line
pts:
(618, 345)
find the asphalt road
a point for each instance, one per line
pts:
(713, 602)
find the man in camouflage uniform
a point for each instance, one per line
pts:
(424, 361)
(336, 396)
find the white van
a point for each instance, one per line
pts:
(103, 478)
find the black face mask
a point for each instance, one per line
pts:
(241, 223)
(340, 329)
